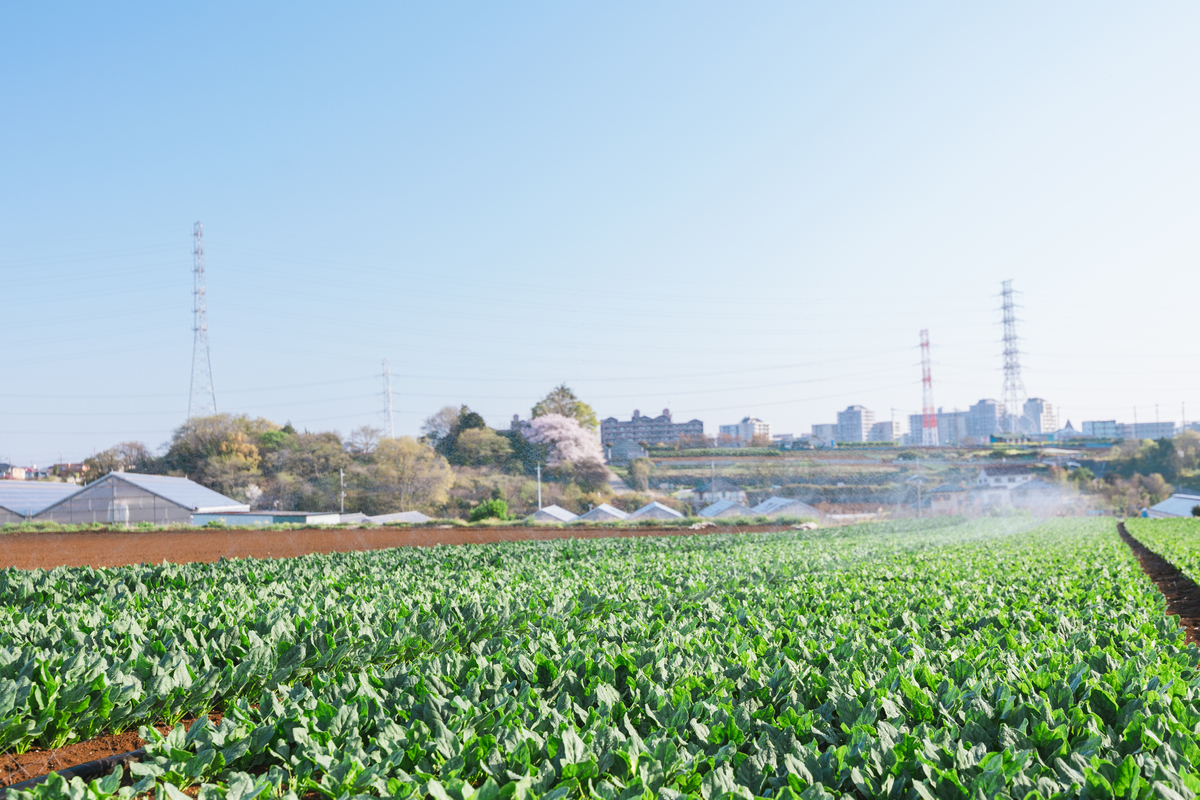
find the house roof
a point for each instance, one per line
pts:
(603, 512)
(29, 497)
(773, 505)
(946, 488)
(722, 484)
(1005, 469)
(180, 491)
(1177, 505)
(655, 508)
(1036, 485)
(726, 508)
(554, 512)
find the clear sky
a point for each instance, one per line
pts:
(728, 209)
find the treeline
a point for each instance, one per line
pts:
(456, 465)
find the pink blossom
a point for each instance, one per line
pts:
(569, 441)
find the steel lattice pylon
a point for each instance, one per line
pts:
(1013, 394)
(929, 428)
(202, 401)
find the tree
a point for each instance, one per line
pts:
(123, 457)
(640, 472)
(363, 440)
(200, 439)
(407, 475)
(562, 401)
(443, 429)
(489, 509)
(572, 451)
(569, 442)
(479, 447)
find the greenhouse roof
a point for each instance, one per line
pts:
(29, 497)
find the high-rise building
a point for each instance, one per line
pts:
(886, 431)
(1039, 416)
(854, 424)
(984, 419)
(952, 427)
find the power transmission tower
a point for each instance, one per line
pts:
(202, 400)
(929, 428)
(387, 399)
(1013, 394)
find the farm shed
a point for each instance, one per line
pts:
(726, 508)
(20, 500)
(399, 516)
(1177, 505)
(552, 514)
(655, 510)
(239, 519)
(785, 507)
(126, 497)
(603, 513)
(721, 489)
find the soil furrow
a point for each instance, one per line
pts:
(1181, 592)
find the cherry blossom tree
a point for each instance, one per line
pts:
(568, 442)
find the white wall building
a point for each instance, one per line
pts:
(854, 424)
(745, 431)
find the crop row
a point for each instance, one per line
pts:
(950, 660)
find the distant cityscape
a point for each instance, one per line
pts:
(983, 423)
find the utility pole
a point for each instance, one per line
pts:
(202, 399)
(342, 491)
(1014, 390)
(539, 471)
(388, 425)
(712, 482)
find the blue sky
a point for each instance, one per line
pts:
(729, 209)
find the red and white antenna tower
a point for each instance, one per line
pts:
(929, 430)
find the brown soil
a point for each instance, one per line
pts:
(34, 763)
(1181, 592)
(120, 548)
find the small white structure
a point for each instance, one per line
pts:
(20, 500)
(1006, 475)
(411, 517)
(655, 510)
(253, 519)
(1177, 505)
(603, 513)
(785, 507)
(726, 508)
(552, 515)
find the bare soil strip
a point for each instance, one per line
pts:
(38, 763)
(119, 548)
(1181, 592)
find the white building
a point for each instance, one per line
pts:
(1146, 430)
(825, 433)
(744, 432)
(1177, 505)
(886, 431)
(854, 424)
(125, 498)
(1099, 429)
(1039, 416)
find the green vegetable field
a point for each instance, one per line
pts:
(1176, 540)
(928, 659)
